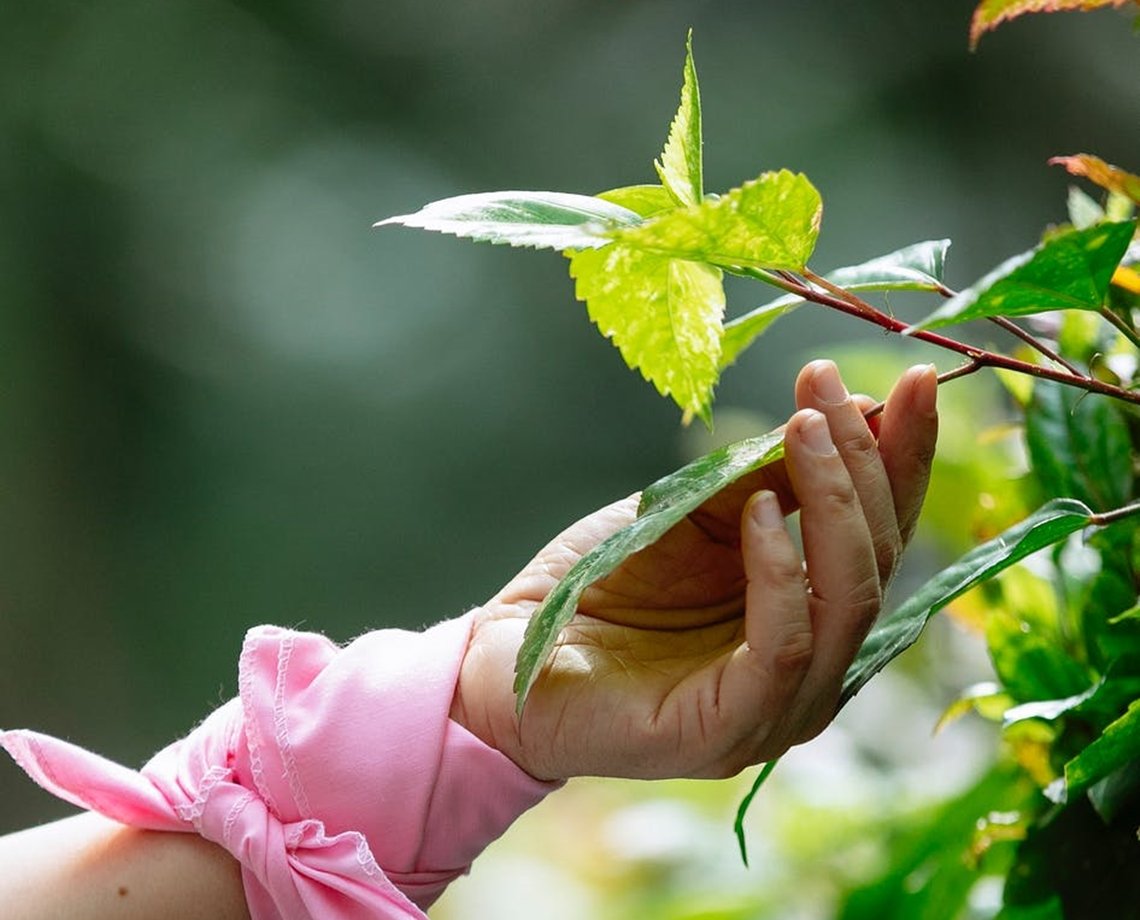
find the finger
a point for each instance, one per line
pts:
(766, 672)
(907, 435)
(819, 386)
(841, 565)
(777, 625)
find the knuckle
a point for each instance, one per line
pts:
(837, 495)
(793, 648)
(858, 446)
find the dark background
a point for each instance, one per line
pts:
(224, 400)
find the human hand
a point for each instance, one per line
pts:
(716, 647)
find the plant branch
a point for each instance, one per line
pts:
(1035, 343)
(860, 309)
(960, 371)
(1117, 514)
(1122, 326)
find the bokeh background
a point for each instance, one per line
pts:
(225, 400)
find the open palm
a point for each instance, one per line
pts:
(720, 645)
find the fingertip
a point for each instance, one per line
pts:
(926, 389)
(763, 510)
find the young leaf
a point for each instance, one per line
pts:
(680, 166)
(918, 267)
(900, 629)
(770, 222)
(1101, 173)
(665, 503)
(541, 220)
(1069, 271)
(992, 13)
(643, 200)
(663, 314)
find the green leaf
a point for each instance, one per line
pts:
(899, 630)
(669, 500)
(770, 222)
(1117, 746)
(680, 166)
(1070, 271)
(663, 314)
(643, 200)
(918, 267)
(1079, 447)
(540, 220)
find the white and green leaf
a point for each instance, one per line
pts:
(539, 220)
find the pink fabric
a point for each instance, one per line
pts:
(336, 777)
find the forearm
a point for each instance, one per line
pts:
(88, 867)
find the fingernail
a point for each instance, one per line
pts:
(816, 435)
(766, 508)
(827, 385)
(927, 394)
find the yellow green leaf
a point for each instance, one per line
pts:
(665, 316)
(771, 222)
(680, 166)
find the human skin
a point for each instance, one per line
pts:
(716, 648)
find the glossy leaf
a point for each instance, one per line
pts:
(992, 13)
(900, 629)
(1109, 177)
(680, 167)
(1070, 271)
(1117, 746)
(770, 222)
(664, 315)
(918, 267)
(540, 220)
(1079, 447)
(664, 503)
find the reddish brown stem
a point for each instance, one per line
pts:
(854, 306)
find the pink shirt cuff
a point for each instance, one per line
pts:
(336, 777)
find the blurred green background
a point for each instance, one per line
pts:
(225, 400)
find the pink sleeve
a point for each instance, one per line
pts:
(336, 777)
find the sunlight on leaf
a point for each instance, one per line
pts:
(540, 220)
(666, 502)
(992, 13)
(663, 314)
(1070, 271)
(680, 165)
(770, 222)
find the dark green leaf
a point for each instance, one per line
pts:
(1118, 746)
(680, 166)
(914, 268)
(1070, 271)
(1079, 447)
(899, 630)
(541, 220)
(664, 503)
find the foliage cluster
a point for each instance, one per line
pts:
(1058, 815)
